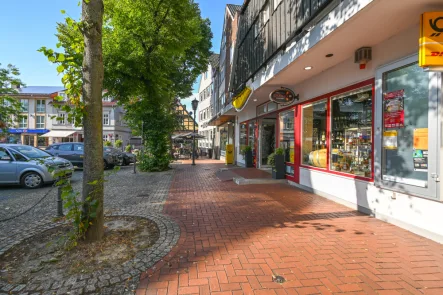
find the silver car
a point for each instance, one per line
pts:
(29, 166)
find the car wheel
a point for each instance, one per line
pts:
(105, 164)
(31, 180)
(125, 162)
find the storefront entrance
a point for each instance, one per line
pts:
(267, 139)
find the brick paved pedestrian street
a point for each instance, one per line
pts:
(234, 239)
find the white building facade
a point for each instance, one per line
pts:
(205, 109)
(43, 123)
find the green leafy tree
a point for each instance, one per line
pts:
(10, 107)
(169, 45)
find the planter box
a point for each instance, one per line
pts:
(249, 161)
(278, 171)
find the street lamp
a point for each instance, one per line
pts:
(194, 108)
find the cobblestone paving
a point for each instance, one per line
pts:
(126, 194)
(238, 238)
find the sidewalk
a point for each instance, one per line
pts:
(235, 238)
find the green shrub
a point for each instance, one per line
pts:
(280, 151)
(128, 148)
(245, 149)
(271, 159)
(118, 143)
(107, 143)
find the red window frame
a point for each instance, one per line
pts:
(328, 98)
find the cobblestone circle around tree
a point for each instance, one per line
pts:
(126, 194)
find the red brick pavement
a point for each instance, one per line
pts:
(235, 238)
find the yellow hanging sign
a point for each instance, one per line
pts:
(240, 100)
(431, 39)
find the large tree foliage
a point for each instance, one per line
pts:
(153, 51)
(10, 107)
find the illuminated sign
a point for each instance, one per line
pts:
(240, 100)
(283, 96)
(431, 39)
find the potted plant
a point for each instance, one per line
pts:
(277, 161)
(128, 148)
(118, 143)
(247, 155)
(107, 143)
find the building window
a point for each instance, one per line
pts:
(105, 137)
(314, 145)
(351, 132)
(287, 137)
(25, 105)
(41, 106)
(40, 122)
(106, 119)
(243, 136)
(23, 122)
(61, 119)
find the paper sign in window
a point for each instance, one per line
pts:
(421, 139)
(390, 140)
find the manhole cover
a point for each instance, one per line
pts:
(278, 279)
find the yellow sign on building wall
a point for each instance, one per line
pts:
(431, 39)
(240, 100)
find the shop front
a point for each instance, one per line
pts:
(30, 137)
(367, 137)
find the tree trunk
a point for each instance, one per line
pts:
(92, 14)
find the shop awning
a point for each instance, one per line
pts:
(217, 121)
(58, 133)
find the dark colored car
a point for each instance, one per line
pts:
(74, 152)
(123, 158)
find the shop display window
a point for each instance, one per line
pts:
(243, 135)
(406, 142)
(287, 138)
(314, 144)
(351, 132)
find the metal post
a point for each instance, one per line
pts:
(193, 142)
(59, 202)
(135, 164)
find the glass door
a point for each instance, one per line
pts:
(407, 129)
(267, 140)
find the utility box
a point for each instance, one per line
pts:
(229, 159)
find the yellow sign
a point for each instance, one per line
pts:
(431, 39)
(390, 140)
(421, 139)
(240, 100)
(229, 159)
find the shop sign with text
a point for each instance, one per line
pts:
(431, 39)
(283, 96)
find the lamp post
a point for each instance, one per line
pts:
(194, 108)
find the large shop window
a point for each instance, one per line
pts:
(351, 132)
(314, 145)
(287, 138)
(405, 124)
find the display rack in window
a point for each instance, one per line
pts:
(351, 133)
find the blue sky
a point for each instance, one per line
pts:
(30, 24)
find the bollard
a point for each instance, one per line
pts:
(135, 164)
(59, 202)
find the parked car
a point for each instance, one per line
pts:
(74, 152)
(118, 155)
(124, 159)
(30, 166)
